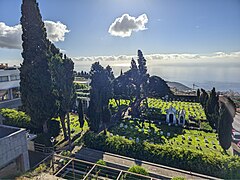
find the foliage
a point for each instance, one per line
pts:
(195, 110)
(157, 87)
(41, 168)
(81, 86)
(203, 98)
(80, 113)
(101, 162)
(123, 88)
(205, 142)
(16, 118)
(100, 93)
(36, 84)
(62, 77)
(204, 125)
(55, 127)
(138, 169)
(212, 109)
(223, 166)
(66, 153)
(142, 68)
(225, 127)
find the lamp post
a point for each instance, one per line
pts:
(52, 139)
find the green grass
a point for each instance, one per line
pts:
(74, 126)
(112, 102)
(195, 139)
(191, 108)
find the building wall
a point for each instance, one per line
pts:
(14, 103)
(13, 147)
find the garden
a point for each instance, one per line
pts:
(161, 133)
(192, 109)
(150, 138)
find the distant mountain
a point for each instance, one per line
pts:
(178, 86)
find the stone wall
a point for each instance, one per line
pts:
(13, 147)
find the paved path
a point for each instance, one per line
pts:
(125, 162)
(236, 122)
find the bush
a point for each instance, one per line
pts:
(16, 118)
(206, 126)
(101, 162)
(185, 158)
(138, 169)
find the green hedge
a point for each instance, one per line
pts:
(212, 164)
(22, 120)
(138, 169)
(16, 118)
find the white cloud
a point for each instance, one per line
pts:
(124, 26)
(10, 36)
(150, 57)
(56, 30)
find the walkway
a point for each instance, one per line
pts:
(123, 162)
(236, 122)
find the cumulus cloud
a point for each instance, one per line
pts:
(151, 57)
(10, 36)
(124, 26)
(56, 30)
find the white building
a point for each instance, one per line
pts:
(175, 117)
(9, 83)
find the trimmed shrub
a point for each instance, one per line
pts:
(16, 118)
(213, 164)
(101, 162)
(138, 169)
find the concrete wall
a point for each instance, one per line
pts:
(14, 103)
(1, 119)
(13, 147)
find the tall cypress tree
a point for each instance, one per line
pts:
(225, 125)
(62, 77)
(36, 85)
(80, 113)
(212, 108)
(100, 92)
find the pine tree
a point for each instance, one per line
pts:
(36, 85)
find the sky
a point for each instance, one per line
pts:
(91, 29)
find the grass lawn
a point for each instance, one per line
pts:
(191, 108)
(164, 134)
(59, 140)
(74, 126)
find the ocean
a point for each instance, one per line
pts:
(222, 74)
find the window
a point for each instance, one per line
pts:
(14, 77)
(3, 78)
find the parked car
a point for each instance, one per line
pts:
(236, 136)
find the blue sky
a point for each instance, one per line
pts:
(170, 26)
